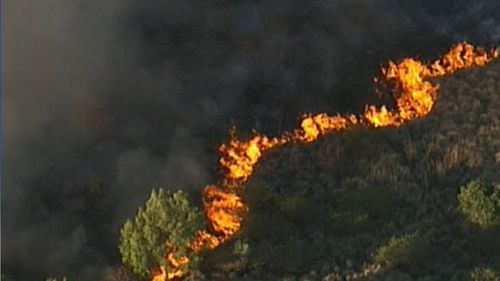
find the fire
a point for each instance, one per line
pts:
(381, 117)
(160, 275)
(414, 94)
(239, 158)
(462, 56)
(314, 126)
(179, 264)
(224, 209)
(417, 95)
(203, 240)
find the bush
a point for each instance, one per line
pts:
(408, 252)
(480, 203)
(166, 224)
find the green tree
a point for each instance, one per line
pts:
(480, 203)
(166, 224)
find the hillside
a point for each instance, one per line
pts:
(323, 211)
(420, 202)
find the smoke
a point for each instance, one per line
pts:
(105, 100)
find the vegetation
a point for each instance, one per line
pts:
(166, 224)
(419, 202)
(415, 203)
(408, 251)
(480, 204)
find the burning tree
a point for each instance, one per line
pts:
(160, 234)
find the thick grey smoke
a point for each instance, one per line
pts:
(105, 100)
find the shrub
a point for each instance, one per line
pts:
(480, 203)
(166, 224)
(409, 252)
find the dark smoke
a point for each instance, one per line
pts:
(105, 100)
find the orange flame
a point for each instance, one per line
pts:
(224, 209)
(239, 158)
(179, 264)
(313, 126)
(203, 240)
(161, 275)
(415, 96)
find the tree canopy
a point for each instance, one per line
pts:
(165, 224)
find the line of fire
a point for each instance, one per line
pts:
(414, 95)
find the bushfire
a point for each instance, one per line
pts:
(414, 96)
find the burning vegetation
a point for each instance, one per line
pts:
(414, 96)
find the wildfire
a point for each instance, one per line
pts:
(239, 157)
(203, 240)
(314, 126)
(179, 264)
(224, 209)
(414, 94)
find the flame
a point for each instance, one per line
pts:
(179, 265)
(160, 274)
(462, 56)
(415, 97)
(314, 126)
(415, 94)
(381, 117)
(203, 240)
(239, 158)
(224, 209)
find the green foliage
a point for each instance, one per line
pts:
(55, 279)
(480, 203)
(484, 274)
(407, 251)
(166, 218)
